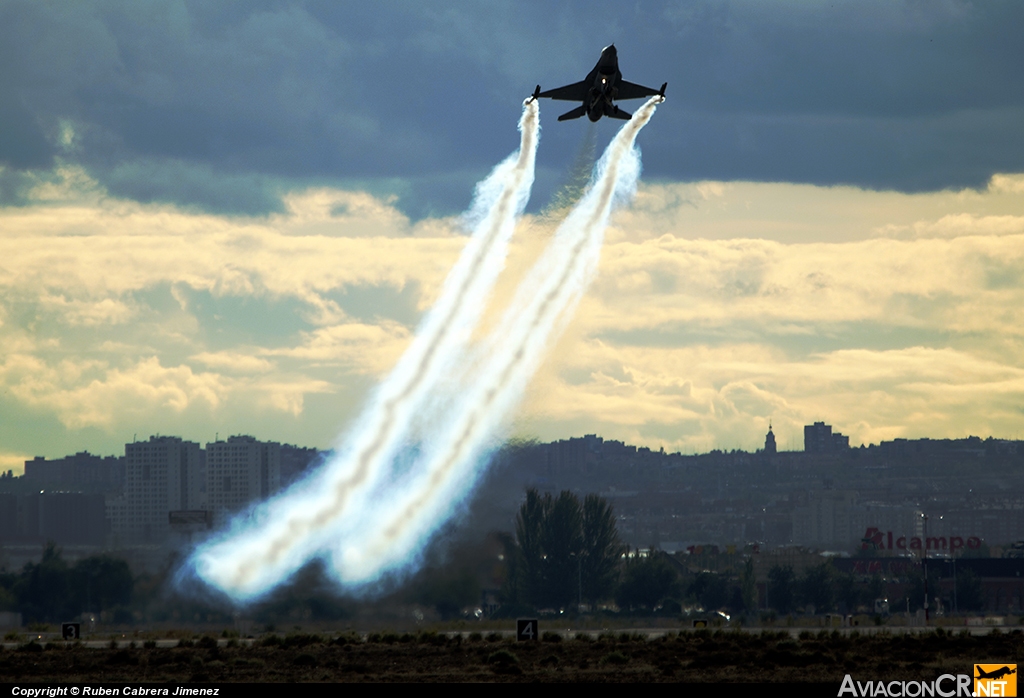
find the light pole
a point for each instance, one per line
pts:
(579, 579)
(924, 566)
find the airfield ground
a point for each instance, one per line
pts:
(698, 656)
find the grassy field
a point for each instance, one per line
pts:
(701, 656)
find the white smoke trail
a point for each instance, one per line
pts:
(395, 530)
(260, 552)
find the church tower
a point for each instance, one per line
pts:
(769, 441)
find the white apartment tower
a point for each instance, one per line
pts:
(240, 471)
(162, 475)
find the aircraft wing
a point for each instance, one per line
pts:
(630, 90)
(576, 92)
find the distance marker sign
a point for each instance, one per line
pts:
(526, 629)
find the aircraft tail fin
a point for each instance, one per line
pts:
(573, 113)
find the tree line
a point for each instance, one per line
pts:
(826, 590)
(53, 591)
(566, 552)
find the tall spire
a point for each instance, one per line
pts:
(769, 440)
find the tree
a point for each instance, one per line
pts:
(448, 590)
(748, 586)
(781, 581)
(709, 590)
(513, 591)
(530, 523)
(875, 590)
(601, 550)
(647, 581)
(562, 542)
(968, 591)
(816, 587)
(101, 582)
(848, 594)
(44, 590)
(562, 551)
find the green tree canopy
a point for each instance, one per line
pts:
(709, 590)
(601, 550)
(781, 588)
(101, 582)
(748, 586)
(968, 591)
(562, 550)
(562, 542)
(647, 581)
(44, 590)
(816, 587)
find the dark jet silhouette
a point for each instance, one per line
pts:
(599, 90)
(996, 673)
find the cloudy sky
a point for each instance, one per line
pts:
(229, 217)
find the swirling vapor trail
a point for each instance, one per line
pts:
(266, 548)
(390, 535)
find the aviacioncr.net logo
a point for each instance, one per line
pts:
(995, 680)
(946, 686)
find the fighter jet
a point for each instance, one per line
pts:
(598, 91)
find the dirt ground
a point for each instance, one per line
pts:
(703, 656)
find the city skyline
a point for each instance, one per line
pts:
(238, 216)
(769, 447)
(826, 495)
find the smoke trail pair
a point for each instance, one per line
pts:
(392, 533)
(286, 532)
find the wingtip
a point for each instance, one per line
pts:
(662, 90)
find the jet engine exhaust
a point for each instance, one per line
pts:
(359, 512)
(255, 556)
(446, 472)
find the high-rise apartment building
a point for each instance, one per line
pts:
(82, 472)
(240, 471)
(162, 475)
(819, 438)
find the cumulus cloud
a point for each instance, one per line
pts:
(331, 211)
(702, 397)
(87, 393)
(117, 312)
(885, 314)
(942, 284)
(85, 312)
(365, 348)
(694, 341)
(961, 224)
(234, 362)
(794, 213)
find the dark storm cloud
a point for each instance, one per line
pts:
(908, 96)
(192, 183)
(223, 105)
(23, 145)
